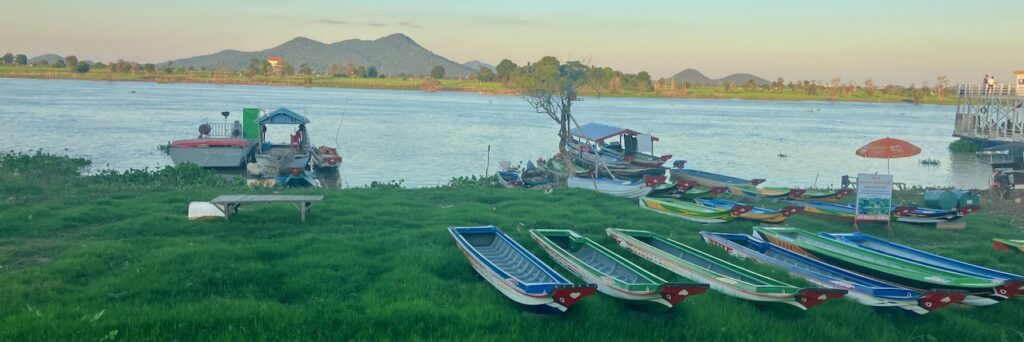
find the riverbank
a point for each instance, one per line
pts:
(112, 255)
(461, 85)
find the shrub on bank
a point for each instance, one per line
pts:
(964, 146)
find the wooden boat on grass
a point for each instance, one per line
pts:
(614, 275)
(722, 276)
(755, 213)
(557, 165)
(900, 213)
(827, 209)
(678, 172)
(818, 195)
(692, 211)
(1013, 284)
(982, 291)
(621, 188)
(862, 289)
(515, 272)
(1009, 245)
(508, 176)
(685, 190)
(537, 177)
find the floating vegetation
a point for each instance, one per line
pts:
(930, 162)
(783, 155)
(964, 146)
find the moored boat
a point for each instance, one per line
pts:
(819, 195)
(692, 211)
(286, 163)
(211, 152)
(862, 289)
(685, 190)
(1013, 284)
(509, 177)
(722, 276)
(515, 272)
(538, 177)
(755, 213)
(827, 209)
(614, 275)
(982, 291)
(621, 188)
(1008, 245)
(632, 147)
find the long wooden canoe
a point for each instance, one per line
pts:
(614, 275)
(691, 211)
(1013, 284)
(881, 266)
(862, 289)
(1008, 245)
(755, 213)
(621, 188)
(723, 277)
(515, 272)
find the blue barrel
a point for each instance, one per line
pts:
(940, 199)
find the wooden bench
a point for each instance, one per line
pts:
(229, 203)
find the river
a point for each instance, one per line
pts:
(426, 138)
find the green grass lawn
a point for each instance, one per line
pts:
(113, 257)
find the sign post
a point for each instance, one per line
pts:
(874, 199)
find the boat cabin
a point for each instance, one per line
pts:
(297, 141)
(615, 138)
(1007, 162)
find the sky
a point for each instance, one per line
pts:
(908, 41)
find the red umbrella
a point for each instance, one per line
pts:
(888, 148)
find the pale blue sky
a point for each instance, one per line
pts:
(889, 41)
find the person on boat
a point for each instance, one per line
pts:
(236, 129)
(984, 85)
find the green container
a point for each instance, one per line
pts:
(940, 199)
(250, 129)
(967, 199)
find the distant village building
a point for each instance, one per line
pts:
(275, 62)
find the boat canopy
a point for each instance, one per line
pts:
(282, 116)
(599, 132)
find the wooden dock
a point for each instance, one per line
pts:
(990, 114)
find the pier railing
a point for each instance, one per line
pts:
(991, 90)
(220, 130)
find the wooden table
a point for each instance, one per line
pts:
(229, 203)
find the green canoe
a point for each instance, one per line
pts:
(614, 275)
(721, 275)
(1008, 245)
(878, 265)
(691, 211)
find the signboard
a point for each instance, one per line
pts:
(874, 197)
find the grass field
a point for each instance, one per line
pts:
(694, 92)
(112, 256)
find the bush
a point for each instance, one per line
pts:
(964, 146)
(82, 68)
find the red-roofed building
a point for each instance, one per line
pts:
(275, 61)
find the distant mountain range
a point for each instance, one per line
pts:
(392, 55)
(696, 77)
(475, 65)
(49, 58)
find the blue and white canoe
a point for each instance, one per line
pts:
(1011, 284)
(515, 272)
(862, 289)
(622, 188)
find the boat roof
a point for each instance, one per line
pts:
(598, 132)
(282, 116)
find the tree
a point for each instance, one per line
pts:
(550, 88)
(437, 72)
(361, 72)
(81, 67)
(7, 59)
(728, 87)
(869, 87)
(169, 67)
(43, 63)
(750, 85)
(485, 74)
(505, 70)
(304, 69)
(59, 64)
(99, 65)
(943, 83)
(643, 81)
(334, 70)
(21, 59)
(287, 69)
(149, 67)
(371, 72)
(71, 61)
(254, 68)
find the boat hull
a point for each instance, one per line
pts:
(633, 189)
(210, 156)
(710, 215)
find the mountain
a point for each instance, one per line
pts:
(392, 55)
(475, 65)
(696, 77)
(49, 58)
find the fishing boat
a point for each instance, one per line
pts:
(1008, 245)
(691, 211)
(842, 211)
(928, 215)
(755, 214)
(614, 275)
(557, 165)
(326, 157)
(1013, 284)
(508, 176)
(621, 188)
(286, 163)
(685, 190)
(818, 195)
(679, 172)
(219, 145)
(722, 276)
(982, 291)
(632, 147)
(861, 289)
(515, 272)
(534, 177)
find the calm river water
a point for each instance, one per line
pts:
(427, 138)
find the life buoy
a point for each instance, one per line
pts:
(983, 110)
